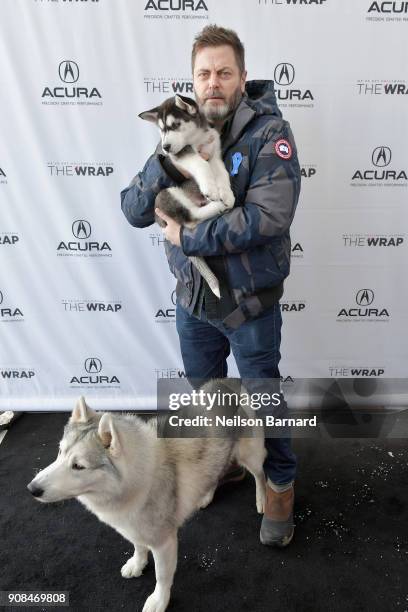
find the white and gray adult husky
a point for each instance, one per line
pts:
(143, 486)
(185, 135)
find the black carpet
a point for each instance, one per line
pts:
(349, 553)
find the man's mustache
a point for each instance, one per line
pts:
(214, 95)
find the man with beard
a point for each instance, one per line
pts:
(248, 247)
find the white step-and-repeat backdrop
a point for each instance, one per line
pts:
(87, 301)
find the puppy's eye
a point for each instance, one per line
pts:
(76, 466)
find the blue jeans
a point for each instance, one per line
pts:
(205, 345)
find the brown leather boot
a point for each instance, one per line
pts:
(277, 526)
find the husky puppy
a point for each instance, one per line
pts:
(143, 486)
(185, 135)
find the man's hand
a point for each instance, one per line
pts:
(172, 231)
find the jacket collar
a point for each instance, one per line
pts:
(259, 99)
(242, 116)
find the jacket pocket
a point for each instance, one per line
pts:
(280, 250)
(254, 270)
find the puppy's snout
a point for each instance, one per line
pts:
(35, 490)
(166, 148)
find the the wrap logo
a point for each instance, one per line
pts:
(308, 171)
(284, 75)
(292, 306)
(156, 240)
(373, 240)
(17, 374)
(63, 169)
(338, 371)
(381, 173)
(71, 93)
(169, 373)
(93, 377)
(8, 239)
(379, 87)
(364, 299)
(10, 314)
(81, 229)
(168, 85)
(91, 306)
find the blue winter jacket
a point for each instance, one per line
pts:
(252, 240)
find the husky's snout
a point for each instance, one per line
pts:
(34, 489)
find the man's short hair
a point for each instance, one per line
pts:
(214, 36)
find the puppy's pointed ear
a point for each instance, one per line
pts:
(108, 434)
(150, 115)
(186, 104)
(82, 413)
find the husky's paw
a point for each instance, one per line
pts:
(133, 567)
(261, 500)
(206, 500)
(156, 603)
(227, 197)
(210, 191)
(260, 506)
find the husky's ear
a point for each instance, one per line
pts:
(186, 104)
(108, 434)
(82, 413)
(150, 115)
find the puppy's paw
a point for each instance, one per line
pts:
(155, 603)
(211, 192)
(227, 197)
(133, 567)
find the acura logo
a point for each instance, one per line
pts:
(381, 156)
(81, 229)
(68, 71)
(174, 297)
(365, 297)
(284, 74)
(93, 365)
